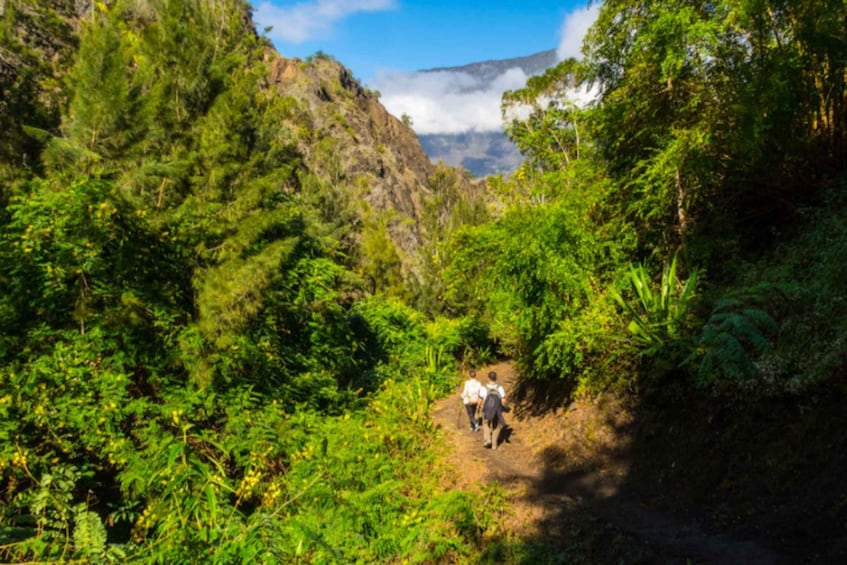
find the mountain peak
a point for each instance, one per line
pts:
(489, 70)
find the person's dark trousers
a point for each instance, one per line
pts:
(471, 410)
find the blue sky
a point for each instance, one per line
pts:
(369, 36)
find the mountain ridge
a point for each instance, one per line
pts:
(531, 64)
(370, 147)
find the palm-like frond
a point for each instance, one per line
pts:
(657, 315)
(736, 333)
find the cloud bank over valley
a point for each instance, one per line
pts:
(455, 101)
(447, 101)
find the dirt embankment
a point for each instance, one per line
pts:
(608, 481)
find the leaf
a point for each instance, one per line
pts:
(211, 500)
(89, 533)
(175, 451)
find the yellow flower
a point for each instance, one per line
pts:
(19, 458)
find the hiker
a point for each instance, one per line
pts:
(493, 399)
(470, 398)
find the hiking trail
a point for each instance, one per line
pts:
(563, 473)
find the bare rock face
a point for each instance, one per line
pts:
(371, 149)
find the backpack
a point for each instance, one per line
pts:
(493, 405)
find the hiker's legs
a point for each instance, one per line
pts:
(486, 432)
(496, 426)
(471, 410)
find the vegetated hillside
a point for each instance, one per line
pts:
(204, 344)
(36, 42)
(342, 134)
(202, 348)
(353, 141)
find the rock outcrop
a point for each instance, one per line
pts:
(372, 150)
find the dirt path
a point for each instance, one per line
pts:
(563, 475)
(514, 465)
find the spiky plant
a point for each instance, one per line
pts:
(657, 315)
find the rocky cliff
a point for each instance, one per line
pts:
(368, 148)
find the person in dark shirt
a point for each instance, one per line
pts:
(493, 398)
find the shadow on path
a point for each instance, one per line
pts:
(582, 486)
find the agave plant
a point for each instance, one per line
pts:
(658, 314)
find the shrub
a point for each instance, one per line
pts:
(657, 316)
(738, 333)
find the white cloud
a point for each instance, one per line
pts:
(454, 102)
(573, 31)
(446, 101)
(313, 19)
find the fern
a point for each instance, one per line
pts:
(734, 336)
(90, 539)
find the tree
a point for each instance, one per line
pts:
(703, 108)
(549, 136)
(451, 204)
(36, 45)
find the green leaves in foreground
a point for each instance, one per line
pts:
(737, 333)
(236, 479)
(657, 315)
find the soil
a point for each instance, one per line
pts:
(635, 479)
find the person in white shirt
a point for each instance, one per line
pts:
(492, 414)
(471, 398)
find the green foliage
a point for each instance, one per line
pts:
(378, 259)
(440, 361)
(204, 352)
(435, 361)
(421, 349)
(397, 327)
(810, 345)
(449, 207)
(549, 137)
(737, 334)
(800, 287)
(235, 474)
(585, 349)
(75, 256)
(658, 316)
(36, 43)
(320, 55)
(187, 361)
(524, 275)
(102, 107)
(62, 426)
(704, 111)
(355, 492)
(90, 538)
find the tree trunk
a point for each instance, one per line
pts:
(680, 206)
